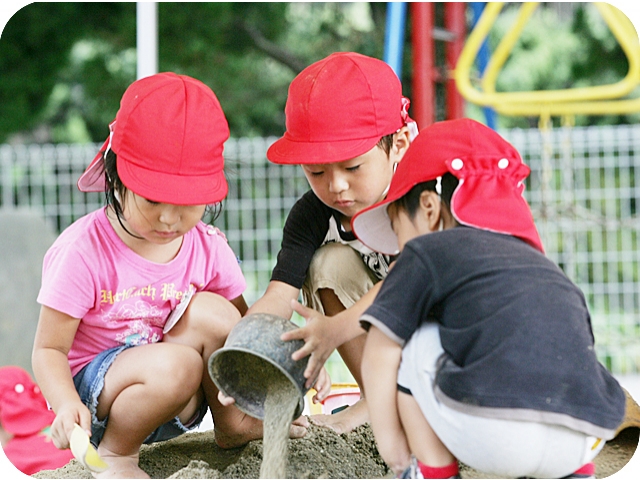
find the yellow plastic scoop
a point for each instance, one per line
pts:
(84, 452)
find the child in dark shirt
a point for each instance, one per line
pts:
(479, 348)
(347, 127)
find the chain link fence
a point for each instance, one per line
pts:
(582, 191)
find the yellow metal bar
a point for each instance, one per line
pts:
(624, 21)
(604, 107)
(462, 72)
(505, 47)
(620, 26)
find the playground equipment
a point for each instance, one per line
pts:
(598, 100)
(427, 76)
(460, 56)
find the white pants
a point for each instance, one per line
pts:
(509, 448)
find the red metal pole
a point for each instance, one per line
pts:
(423, 92)
(454, 21)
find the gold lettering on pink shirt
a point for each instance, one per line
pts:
(168, 291)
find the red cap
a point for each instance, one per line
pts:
(168, 135)
(489, 193)
(23, 409)
(339, 108)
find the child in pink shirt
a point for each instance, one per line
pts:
(137, 296)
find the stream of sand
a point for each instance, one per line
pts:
(279, 407)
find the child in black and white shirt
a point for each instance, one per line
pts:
(347, 127)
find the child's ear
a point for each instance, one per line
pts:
(400, 144)
(431, 209)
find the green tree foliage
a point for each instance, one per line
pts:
(560, 53)
(602, 61)
(66, 65)
(34, 47)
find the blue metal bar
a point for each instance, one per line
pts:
(394, 35)
(484, 54)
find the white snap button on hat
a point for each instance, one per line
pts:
(19, 388)
(503, 163)
(457, 164)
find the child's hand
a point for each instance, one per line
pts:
(322, 386)
(65, 420)
(320, 337)
(224, 400)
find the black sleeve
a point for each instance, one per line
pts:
(405, 298)
(304, 231)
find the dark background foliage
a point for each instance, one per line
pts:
(64, 66)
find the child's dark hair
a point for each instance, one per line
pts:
(410, 201)
(116, 191)
(386, 142)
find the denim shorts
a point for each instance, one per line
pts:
(89, 383)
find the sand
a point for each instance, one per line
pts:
(279, 407)
(320, 454)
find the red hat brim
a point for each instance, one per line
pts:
(159, 187)
(93, 179)
(290, 152)
(173, 188)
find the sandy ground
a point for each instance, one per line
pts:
(320, 454)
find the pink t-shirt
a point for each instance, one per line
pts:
(121, 298)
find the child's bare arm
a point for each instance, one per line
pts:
(323, 334)
(380, 374)
(54, 336)
(276, 300)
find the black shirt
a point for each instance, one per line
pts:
(515, 330)
(310, 224)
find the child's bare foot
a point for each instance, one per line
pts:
(346, 420)
(253, 430)
(299, 427)
(120, 466)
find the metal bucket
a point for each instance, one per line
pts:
(251, 356)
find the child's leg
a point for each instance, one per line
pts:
(434, 459)
(144, 387)
(205, 326)
(416, 381)
(338, 278)
(351, 353)
(503, 447)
